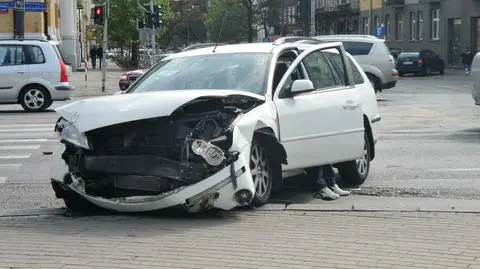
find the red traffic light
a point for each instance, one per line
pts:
(99, 11)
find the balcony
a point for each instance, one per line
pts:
(395, 3)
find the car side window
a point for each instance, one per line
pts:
(337, 62)
(35, 54)
(320, 72)
(11, 55)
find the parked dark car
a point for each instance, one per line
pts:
(423, 62)
(129, 77)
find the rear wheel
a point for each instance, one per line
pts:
(354, 173)
(442, 71)
(375, 82)
(34, 98)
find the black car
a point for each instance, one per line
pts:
(423, 62)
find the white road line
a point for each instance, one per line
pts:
(20, 147)
(32, 140)
(2, 180)
(455, 170)
(34, 125)
(20, 130)
(9, 157)
(10, 166)
(26, 135)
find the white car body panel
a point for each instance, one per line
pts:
(475, 75)
(90, 114)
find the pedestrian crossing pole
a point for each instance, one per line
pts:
(104, 52)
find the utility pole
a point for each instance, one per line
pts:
(152, 11)
(105, 35)
(370, 19)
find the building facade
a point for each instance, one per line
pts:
(336, 16)
(444, 26)
(41, 24)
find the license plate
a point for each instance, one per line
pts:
(407, 62)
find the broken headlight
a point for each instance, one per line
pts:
(212, 154)
(68, 132)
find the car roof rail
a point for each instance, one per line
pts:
(293, 39)
(24, 39)
(353, 35)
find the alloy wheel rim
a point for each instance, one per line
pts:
(362, 164)
(34, 99)
(259, 170)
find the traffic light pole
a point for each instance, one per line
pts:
(104, 47)
(152, 58)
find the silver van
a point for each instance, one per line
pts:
(373, 56)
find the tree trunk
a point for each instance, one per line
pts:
(250, 23)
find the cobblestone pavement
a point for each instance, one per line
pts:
(247, 239)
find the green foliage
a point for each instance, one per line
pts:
(235, 27)
(123, 16)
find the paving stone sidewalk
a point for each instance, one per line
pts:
(93, 86)
(255, 239)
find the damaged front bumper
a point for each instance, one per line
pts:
(230, 187)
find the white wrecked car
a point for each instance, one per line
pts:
(215, 128)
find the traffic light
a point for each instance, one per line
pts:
(153, 19)
(98, 15)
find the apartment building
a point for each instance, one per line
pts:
(336, 16)
(444, 26)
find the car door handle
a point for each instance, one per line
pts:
(350, 105)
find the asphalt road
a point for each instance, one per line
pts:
(429, 140)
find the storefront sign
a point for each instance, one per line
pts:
(29, 6)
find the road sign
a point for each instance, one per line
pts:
(29, 6)
(379, 31)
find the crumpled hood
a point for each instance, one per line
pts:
(90, 114)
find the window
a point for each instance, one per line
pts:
(228, 71)
(320, 71)
(420, 25)
(11, 55)
(413, 25)
(357, 48)
(399, 30)
(387, 26)
(435, 24)
(357, 76)
(337, 63)
(35, 55)
(366, 27)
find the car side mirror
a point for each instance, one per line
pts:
(301, 85)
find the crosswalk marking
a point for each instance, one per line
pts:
(28, 140)
(8, 157)
(21, 137)
(19, 147)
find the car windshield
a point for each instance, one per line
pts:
(409, 54)
(229, 71)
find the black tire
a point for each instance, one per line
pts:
(442, 71)
(263, 188)
(400, 74)
(375, 82)
(350, 171)
(34, 98)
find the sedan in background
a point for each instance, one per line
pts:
(129, 77)
(420, 62)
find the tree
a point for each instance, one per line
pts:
(230, 14)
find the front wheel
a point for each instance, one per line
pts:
(35, 98)
(262, 168)
(354, 173)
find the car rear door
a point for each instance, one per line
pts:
(323, 125)
(13, 72)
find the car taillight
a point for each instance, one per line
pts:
(63, 72)
(395, 73)
(420, 61)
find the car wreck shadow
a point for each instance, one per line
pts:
(295, 190)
